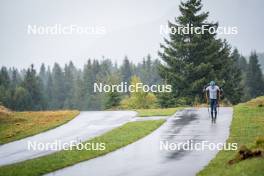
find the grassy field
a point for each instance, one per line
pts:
(18, 125)
(157, 112)
(113, 140)
(247, 126)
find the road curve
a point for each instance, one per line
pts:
(86, 125)
(145, 158)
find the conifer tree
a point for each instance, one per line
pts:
(254, 79)
(70, 72)
(5, 92)
(193, 59)
(113, 97)
(126, 70)
(58, 89)
(31, 84)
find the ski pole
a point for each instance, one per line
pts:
(208, 110)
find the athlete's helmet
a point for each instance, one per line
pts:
(212, 83)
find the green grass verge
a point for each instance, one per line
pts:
(113, 140)
(247, 125)
(157, 112)
(18, 125)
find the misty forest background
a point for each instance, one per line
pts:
(187, 62)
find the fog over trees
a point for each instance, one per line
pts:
(188, 62)
(67, 87)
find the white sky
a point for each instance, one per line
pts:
(132, 28)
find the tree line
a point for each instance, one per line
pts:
(189, 61)
(69, 87)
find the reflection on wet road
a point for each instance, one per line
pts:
(145, 157)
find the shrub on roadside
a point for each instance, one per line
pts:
(139, 99)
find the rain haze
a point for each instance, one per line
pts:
(132, 28)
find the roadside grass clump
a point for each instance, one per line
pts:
(257, 102)
(260, 141)
(248, 153)
(4, 111)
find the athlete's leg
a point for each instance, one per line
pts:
(212, 108)
(215, 108)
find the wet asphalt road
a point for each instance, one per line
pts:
(85, 126)
(146, 158)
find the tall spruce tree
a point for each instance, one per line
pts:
(240, 61)
(232, 79)
(192, 59)
(49, 89)
(58, 89)
(79, 97)
(15, 78)
(5, 92)
(32, 84)
(126, 70)
(89, 76)
(254, 78)
(43, 74)
(70, 72)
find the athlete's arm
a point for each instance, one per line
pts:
(218, 93)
